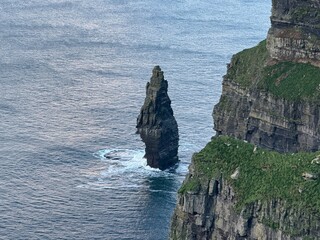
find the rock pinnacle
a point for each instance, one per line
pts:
(156, 124)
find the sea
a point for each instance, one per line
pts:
(72, 82)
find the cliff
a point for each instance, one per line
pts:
(275, 105)
(156, 124)
(259, 177)
(273, 90)
(235, 190)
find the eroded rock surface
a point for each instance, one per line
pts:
(295, 31)
(157, 125)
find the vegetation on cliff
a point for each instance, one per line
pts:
(263, 174)
(293, 81)
(253, 68)
(246, 66)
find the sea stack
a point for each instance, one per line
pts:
(156, 124)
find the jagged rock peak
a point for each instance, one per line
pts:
(156, 124)
(157, 74)
(295, 31)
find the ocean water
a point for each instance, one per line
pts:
(73, 76)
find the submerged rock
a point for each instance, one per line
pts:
(156, 124)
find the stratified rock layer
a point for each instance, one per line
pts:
(295, 31)
(264, 120)
(157, 125)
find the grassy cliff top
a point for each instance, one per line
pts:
(252, 68)
(263, 174)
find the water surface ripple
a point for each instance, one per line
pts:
(73, 75)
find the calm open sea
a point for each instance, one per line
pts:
(73, 76)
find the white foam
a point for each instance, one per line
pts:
(105, 185)
(124, 161)
(131, 162)
(182, 168)
(125, 168)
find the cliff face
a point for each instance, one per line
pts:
(262, 119)
(286, 124)
(209, 214)
(264, 110)
(295, 31)
(156, 124)
(256, 187)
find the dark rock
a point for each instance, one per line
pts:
(295, 31)
(156, 124)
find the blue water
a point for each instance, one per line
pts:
(73, 76)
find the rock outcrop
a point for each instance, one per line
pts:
(295, 31)
(156, 124)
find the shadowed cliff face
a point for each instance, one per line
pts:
(295, 31)
(156, 124)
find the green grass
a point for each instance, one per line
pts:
(246, 66)
(288, 80)
(192, 185)
(271, 224)
(293, 81)
(264, 175)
